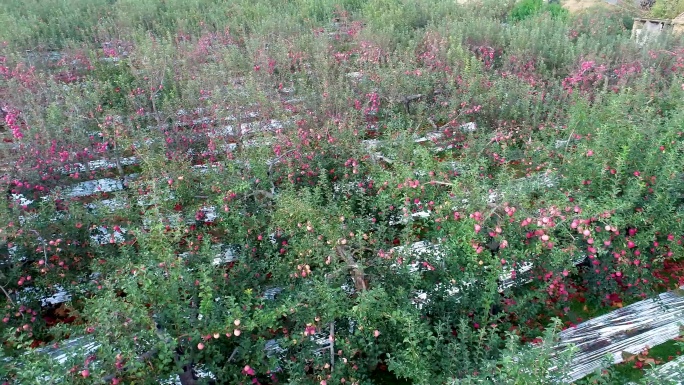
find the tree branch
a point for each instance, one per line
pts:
(332, 344)
(7, 294)
(262, 193)
(357, 271)
(232, 355)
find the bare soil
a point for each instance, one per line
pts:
(576, 6)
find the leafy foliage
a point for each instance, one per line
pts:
(321, 192)
(667, 9)
(528, 8)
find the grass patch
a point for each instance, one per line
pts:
(634, 370)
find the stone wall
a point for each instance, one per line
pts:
(645, 28)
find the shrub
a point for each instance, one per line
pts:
(528, 8)
(224, 186)
(667, 9)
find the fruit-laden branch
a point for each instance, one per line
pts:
(186, 377)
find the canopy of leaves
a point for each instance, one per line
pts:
(319, 192)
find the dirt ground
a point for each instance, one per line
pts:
(575, 6)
